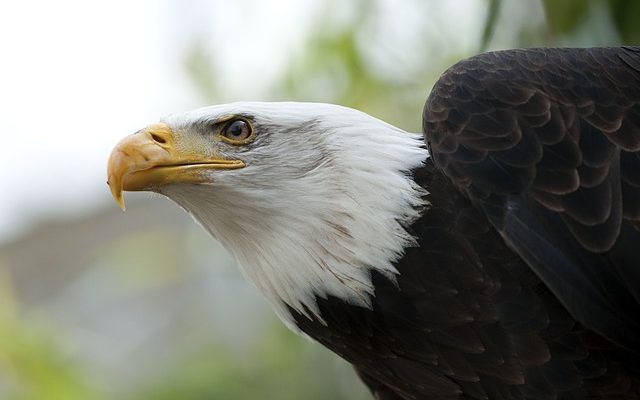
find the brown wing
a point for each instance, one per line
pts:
(467, 318)
(547, 143)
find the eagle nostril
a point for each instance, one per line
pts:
(158, 138)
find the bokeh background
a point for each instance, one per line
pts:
(97, 304)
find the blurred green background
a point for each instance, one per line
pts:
(96, 304)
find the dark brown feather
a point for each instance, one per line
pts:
(555, 135)
(466, 319)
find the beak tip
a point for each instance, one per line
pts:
(116, 192)
(119, 200)
(121, 205)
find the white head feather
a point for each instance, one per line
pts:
(324, 199)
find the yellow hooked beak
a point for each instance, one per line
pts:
(148, 160)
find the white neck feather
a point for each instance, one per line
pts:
(315, 217)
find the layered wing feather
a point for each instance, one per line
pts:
(547, 143)
(467, 318)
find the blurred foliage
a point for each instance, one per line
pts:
(493, 11)
(333, 66)
(566, 15)
(626, 14)
(33, 365)
(332, 60)
(279, 365)
(200, 66)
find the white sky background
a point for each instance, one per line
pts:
(76, 76)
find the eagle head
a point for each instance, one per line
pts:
(308, 198)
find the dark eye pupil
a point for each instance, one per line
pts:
(237, 130)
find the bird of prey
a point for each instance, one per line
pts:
(494, 256)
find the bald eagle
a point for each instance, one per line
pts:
(497, 256)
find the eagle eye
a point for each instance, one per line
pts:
(237, 131)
